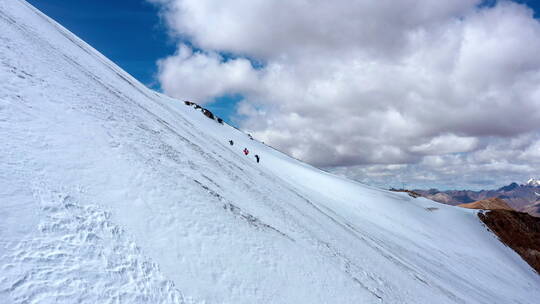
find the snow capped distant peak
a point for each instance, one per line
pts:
(533, 182)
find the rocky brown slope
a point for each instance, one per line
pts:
(518, 230)
(488, 204)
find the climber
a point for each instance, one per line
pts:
(257, 157)
(231, 142)
(246, 151)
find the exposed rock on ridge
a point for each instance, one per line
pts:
(519, 231)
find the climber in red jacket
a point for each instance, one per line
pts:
(246, 151)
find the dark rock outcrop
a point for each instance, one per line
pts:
(410, 192)
(206, 112)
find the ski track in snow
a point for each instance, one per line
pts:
(117, 194)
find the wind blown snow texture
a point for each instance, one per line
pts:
(113, 193)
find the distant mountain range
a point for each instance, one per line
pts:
(522, 197)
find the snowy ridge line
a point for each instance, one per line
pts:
(91, 51)
(126, 77)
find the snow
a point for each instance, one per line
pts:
(533, 182)
(114, 193)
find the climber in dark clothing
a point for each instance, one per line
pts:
(246, 151)
(257, 157)
(231, 142)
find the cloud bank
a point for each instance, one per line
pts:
(426, 92)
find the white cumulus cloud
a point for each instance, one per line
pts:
(432, 88)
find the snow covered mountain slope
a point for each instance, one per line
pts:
(112, 193)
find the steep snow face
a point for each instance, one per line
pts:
(114, 193)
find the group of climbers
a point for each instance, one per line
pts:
(211, 115)
(246, 152)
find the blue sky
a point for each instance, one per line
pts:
(127, 32)
(534, 4)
